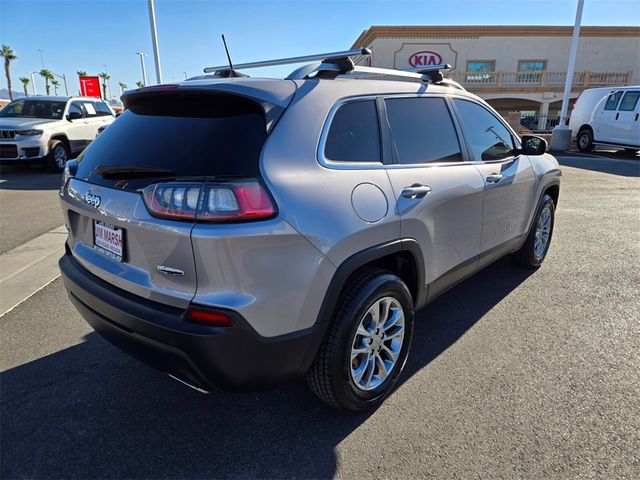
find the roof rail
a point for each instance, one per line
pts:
(430, 74)
(335, 57)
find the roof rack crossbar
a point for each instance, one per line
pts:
(324, 57)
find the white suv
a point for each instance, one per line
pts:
(50, 130)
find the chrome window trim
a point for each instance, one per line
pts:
(338, 165)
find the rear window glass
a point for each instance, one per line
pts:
(423, 130)
(177, 136)
(354, 134)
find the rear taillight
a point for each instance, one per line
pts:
(209, 201)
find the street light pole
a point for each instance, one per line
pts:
(144, 71)
(154, 40)
(33, 82)
(561, 135)
(572, 62)
(64, 79)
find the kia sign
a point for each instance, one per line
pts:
(425, 58)
(90, 87)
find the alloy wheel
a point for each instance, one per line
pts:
(543, 233)
(377, 344)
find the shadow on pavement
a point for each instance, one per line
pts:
(28, 178)
(630, 167)
(90, 411)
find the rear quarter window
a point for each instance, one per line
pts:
(354, 134)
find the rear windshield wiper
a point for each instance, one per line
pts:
(128, 171)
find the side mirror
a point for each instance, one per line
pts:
(532, 145)
(73, 116)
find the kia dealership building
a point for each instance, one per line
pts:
(514, 68)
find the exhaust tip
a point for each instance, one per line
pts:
(184, 382)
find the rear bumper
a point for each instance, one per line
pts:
(232, 358)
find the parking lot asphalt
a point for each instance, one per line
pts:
(512, 374)
(28, 205)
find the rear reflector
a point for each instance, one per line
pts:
(212, 318)
(209, 201)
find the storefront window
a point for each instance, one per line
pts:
(531, 70)
(476, 70)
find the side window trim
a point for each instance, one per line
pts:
(514, 139)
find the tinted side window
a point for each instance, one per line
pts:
(423, 130)
(612, 101)
(76, 107)
(354, 135)
(629, 101)
(103, 109)
(488, 137)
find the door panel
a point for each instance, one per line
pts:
(446, 222)
(438, 194)
(607, 126)
(509, 181)
(78, 129)
(628, 122)
(508, 200)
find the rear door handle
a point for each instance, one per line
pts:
(415, 191)
(494, 178)
(617, 115)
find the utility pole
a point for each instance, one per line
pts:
(154, 40)
(144, 71)
(561, 135)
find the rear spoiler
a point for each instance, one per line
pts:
(273, 96)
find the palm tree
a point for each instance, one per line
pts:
(139, 84)
(47, 75)
(55, 84)
(122, 86)
(25, 81)
(105, 77)
(9, 56)
(81, 73)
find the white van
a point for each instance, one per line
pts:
(607, 116)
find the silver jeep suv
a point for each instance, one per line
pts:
(237, 232)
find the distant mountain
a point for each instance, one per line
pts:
(4, 94)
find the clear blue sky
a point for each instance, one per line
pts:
(88, 34)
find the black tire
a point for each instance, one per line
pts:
(526, 256)
(584, 141)
(329, 376)
(56, 147)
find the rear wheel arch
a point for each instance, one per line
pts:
(403, 258)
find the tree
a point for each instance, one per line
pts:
(9, 56)
(25, 82)
(139, 84)
(81, 73)
(47, 75)
(122, 86)
(105, 77)
(55, 84)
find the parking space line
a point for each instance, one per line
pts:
(28, 268)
